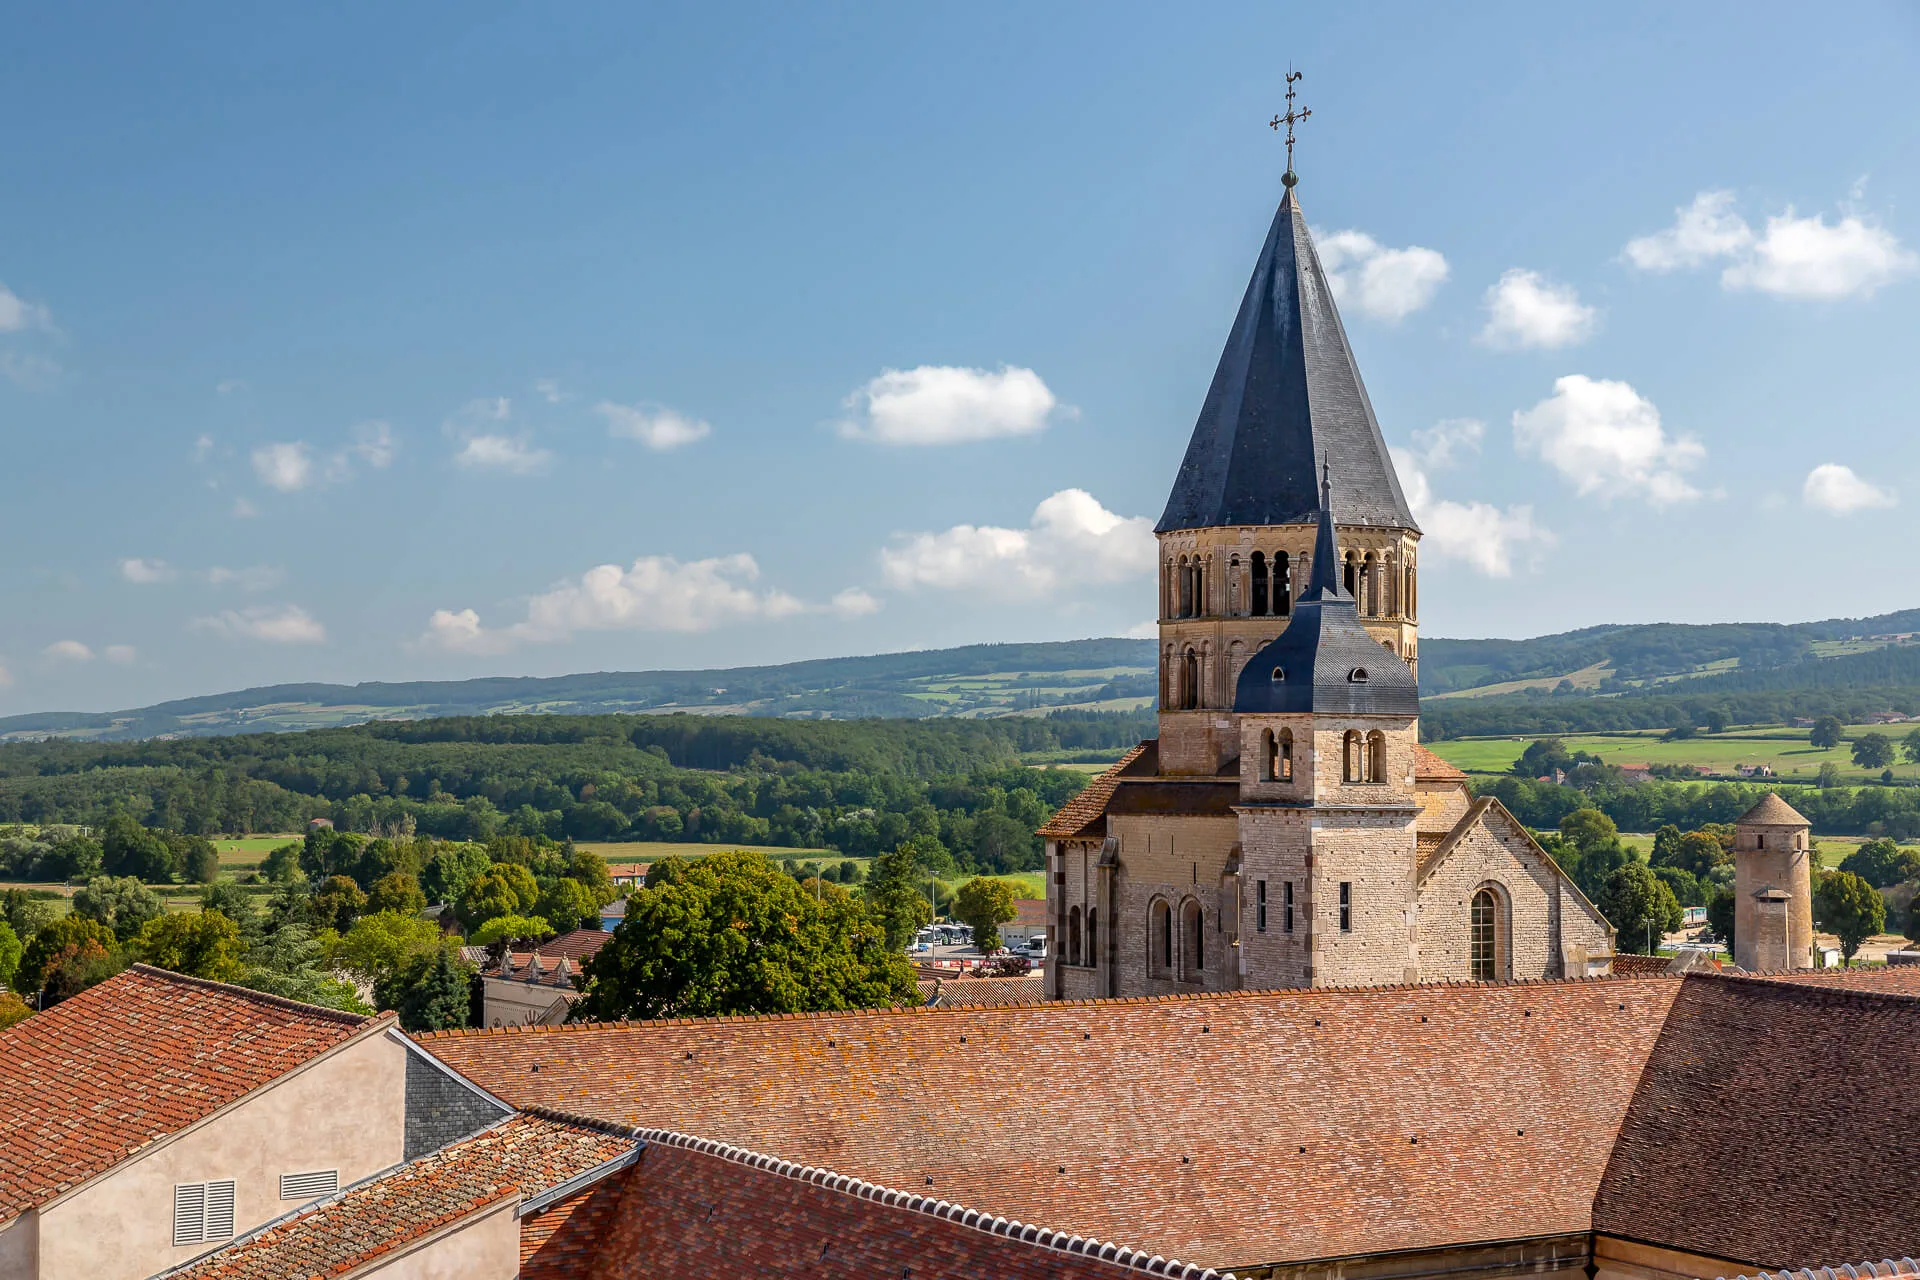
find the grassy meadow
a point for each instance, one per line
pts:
(1786, 750)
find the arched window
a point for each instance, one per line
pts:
(1233, 587)
(1286, 756)
(1271, 754)
(1199, 588)
(1350, 762)
(1413, 594)
(1193, 941)
(1352, 575)
(1369, 597)
(1282, 584)
(1190, 681)
(1483, 938)
(1073, 935)
(1186, 589)
(1357, 676)
(1376, 756)
(1160, 939)
(1259, 594)
(1093, 936)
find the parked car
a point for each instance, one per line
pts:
(1037, 947)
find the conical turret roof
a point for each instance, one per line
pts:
(1772, 811)
(1286, 396)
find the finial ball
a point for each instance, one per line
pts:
(1289, 179)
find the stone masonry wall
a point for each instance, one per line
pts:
(1530, 913)
(1374, 853)
(1172, 858)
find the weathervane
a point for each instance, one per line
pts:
(1290, 119)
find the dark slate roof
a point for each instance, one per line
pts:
(1286, 397)
(1310, 667)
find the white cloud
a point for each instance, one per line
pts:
(511, 454)
(243, 509)
(854, 603)
(1072, 540)
(1479, 534)
(121, 653)
(1833, 487)
(373, 444)
(285, 624)
(1793, 257)
(18, 315)
(202, 447)
(657, 593)
(228, 386)
(1143, 631)
(68, 651)
(287, 466)
(29, 370)
(549, 390)
(1446, 441)
(656, 427)
(1525, 309)
(940, 404)
(1606, 438)
(136, 569)
(257, 577)
(1386, 284)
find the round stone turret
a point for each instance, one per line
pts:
(1772, 888)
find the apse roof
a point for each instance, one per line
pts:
(1286, 397)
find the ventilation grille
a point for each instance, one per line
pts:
(309, 1186)
(203, 1212)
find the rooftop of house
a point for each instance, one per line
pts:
(1520, 1091)
(521, 1158)
(135, 1059)
(1428, 767)
(951, 991)
(559, 959)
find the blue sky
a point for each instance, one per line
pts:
(390, 342)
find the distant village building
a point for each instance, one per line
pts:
(537, 988)
(628, 875)
(1286, 828)
(1029, 922)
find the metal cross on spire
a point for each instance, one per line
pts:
(1290, 119)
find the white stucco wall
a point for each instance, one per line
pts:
(345, 1111)
(483, 1247)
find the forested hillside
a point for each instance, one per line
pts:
(859, 787)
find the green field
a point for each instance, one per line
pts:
(246, 853)
(1786, 750)
(648, 850)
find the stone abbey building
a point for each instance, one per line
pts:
(1286, 829)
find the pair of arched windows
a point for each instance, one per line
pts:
(1177, 949)
(1363, 757)
(1272, 585)
(1187, 588)
(1091, 956)
(1279, 756)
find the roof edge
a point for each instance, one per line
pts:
(262, 997)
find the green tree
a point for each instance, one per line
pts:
(13, 1010)
(1686, 889)
(502, 930)
(1720, 916)
(396, 891)
(1873, 751)
(129, 849)
(1641, 909)
(1826, 733)
(27, 915)
(288, 962)
(490, 897)
(11, 949)
(567, 904)
(733, 933)
(1698, 853)
(69, 940)
(1910, 746)
(381, 944)
(236, 904)
(1851, 908)
(283, 865)
(1541, 758)
(338, 903)
(893, 891)
(451, 869)
(122, 903)
(985, 905)
(1829, 776)
(589, 871)
(1715, 720)
(1666, 841)
(432, 993)
(198, 860)
(74, 858)
(1883, 863)
(200, 944)
(1913, 918)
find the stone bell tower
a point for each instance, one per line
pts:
(1237, 537)
(1772, 888)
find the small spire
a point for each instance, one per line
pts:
(1290, 178)
(1324, 583)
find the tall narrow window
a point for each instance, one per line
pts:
(1260, 906)
(1193, 922)
(1350, 763)
(1272, 756)
(1352, 575)
(1369, 601)
(1093, 936)
(1286, 906)
(1160, 943)
(1285, 773)
(1282, 584)
(1346, 906)
(1186, 589)
(1073, 936)
(1482, 938)
(1376, 756)
(1260, 595)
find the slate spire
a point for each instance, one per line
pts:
(1324, 581)
(1286, 394)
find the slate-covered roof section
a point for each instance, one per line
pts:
(134, 1059)
(1400, 1097)
(519, 1160)
(1286, 397)
(1079, 815)
(1772, 811)
(1756, 1094)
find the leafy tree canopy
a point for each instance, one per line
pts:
(70, 941)
(122, 903)
(1641, 909)
(893, 891)
(431, 993)
(1850, 908)
(381, 944)
(1883, 863)
(984, 905)
(11, 949)
(200, 944)
(396, 891)
(1873, 751)
(1826, 732)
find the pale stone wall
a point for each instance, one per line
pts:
(1528, 931)
(1617, 1259)
(345, 1111)
(483, 1247)
(1374, 853)
(1274, 844)
(1329, 737)
(1774, 857)
(1175, 859)
(1442, 804)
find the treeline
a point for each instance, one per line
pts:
(857, 787)
(1510, 714)
(1633, 652)
(1868, 811)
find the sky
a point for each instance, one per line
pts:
(425, 342)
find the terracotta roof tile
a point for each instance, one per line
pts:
(1428, 767)
(1090, 805)
(1772, 811)
(136, 1058)
(955, 991)
(1891, 979)
(1368, 1108)
(1757, 1092)
(521, 1158)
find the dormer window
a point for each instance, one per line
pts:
(1357, 676)
(1279, 675)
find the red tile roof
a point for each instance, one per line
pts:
(1428, 767)
(1757, 1106)
(1365, 1110)
(698, 1208)
(1891, 979)
(1090, 805)
(955, 991)
(136, 1058)
(518, 1159)
(581, 944)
